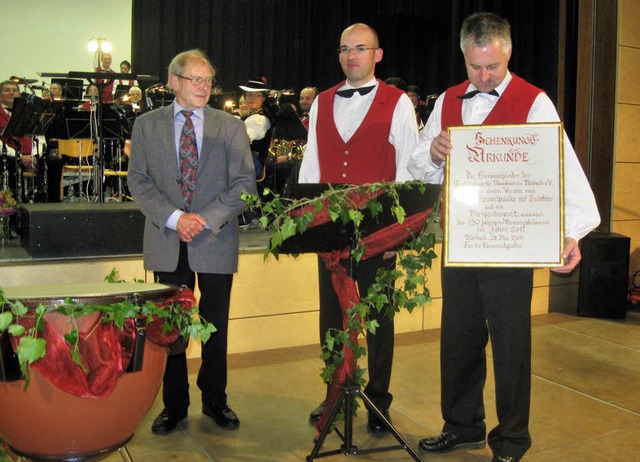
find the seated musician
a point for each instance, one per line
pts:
(53, 93)
(242, 111)
(9, 91)
(91, 94)
(122, 86)
(258, 122)
(307, 97)
(271, 118)
(136, 100)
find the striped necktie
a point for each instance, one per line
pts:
(188, 159)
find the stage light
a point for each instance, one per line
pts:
(93, 46)
(99, 44)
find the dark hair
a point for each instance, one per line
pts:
(9, 82)
(127, 63)
(397, 82)
(413, 89)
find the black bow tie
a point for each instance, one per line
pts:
(348, 93)
(473, 93)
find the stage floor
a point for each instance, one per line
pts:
(584, 403)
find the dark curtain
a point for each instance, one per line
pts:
(293, 42)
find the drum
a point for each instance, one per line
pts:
(77, 151)
(70, 427)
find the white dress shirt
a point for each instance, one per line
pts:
(348, 114)
(581, 212)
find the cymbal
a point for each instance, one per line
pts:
(22, 81)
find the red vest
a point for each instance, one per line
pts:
(107, 91)
(25, 142)
(512, 108)
(367, 157)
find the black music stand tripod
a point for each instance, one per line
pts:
(347, 394)
(328, 237)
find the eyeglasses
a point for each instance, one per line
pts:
(197, 81)
(359, 50)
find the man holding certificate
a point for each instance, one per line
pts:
(483, 302)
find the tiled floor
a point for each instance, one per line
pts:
(585, 403)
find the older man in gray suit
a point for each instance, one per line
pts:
(189, 165)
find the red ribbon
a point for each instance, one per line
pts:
(106, 352)
(376, 243)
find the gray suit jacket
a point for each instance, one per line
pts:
(225, 170)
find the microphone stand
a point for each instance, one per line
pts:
(18, 179)
(5, 167)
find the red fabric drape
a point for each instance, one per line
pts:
(106, 352)
(376, 243)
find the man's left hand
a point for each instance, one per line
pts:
(570, 255)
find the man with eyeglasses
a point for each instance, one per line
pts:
(360, 131)
(189, 165)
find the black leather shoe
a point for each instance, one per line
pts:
(446, 442)
(167, 421)
(375, 425)
(222, 415)
(316, 414)
(504, 459)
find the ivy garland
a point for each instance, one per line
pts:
(32, 346)
(404, 287)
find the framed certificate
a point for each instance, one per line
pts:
(504, 196)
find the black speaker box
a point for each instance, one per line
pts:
(77, 229)
(604, 274)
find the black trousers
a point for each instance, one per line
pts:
(481, 304)
(215, 292)
(380, 345)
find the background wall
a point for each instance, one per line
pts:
(52, 36)
(626, 173)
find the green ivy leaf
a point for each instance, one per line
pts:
(399, 213)
(16, 330)
(77, 359)
(374, 207)
(19, 309)
(6, 319)
(30, 349)
(356, 217)
(288, 229)
(334, 212)
(72, 337)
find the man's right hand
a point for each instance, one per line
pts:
(189, 226)
(440, 148)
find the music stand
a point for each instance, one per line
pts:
(99, 79)
(121, 90)
(335, 236)
(71, 88)
(30, 115)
